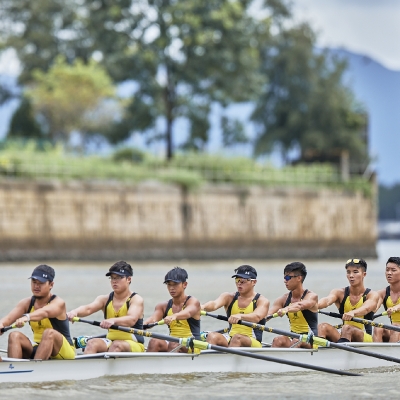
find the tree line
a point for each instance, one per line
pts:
(182, 57)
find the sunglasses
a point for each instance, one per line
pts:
(287, 278)
(353, 261)
(242, 280)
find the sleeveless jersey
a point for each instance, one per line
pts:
(110, 312)
(184, 327)
(241, 329)
(38, 327)
(346, 306)
(304, 320)
(388, 302)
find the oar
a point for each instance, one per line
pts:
(268, 317)
(364, 321)
(7, 328)
(379, 315)
(306, 339)
(148, 326)
(190, 342)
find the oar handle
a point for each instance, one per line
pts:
(148, 326)
(7, 328)
(275, 315)
(380, 315)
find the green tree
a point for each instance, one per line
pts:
(305, 104)
(71, 97)
(183, 55)
(41, 30)
(23, 123)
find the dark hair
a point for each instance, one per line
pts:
(296, 266)
(245, 268)
(394, 260)
(121, 265)
(176, 274)
(357, 262)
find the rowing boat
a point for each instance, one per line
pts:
(208, 361)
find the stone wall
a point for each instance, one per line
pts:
(112, 221)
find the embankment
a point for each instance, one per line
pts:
(99, 221)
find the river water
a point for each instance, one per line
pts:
(79, 283)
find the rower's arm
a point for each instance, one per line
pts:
(278, 304)
(259, 313)
(381, 294)
(369, 305)
(50, 310)
(88, 309)
(192, 310)
(135, 312)
(310, 302)
(15, 313)
(222, 301)
(333, 297)
(158, 313)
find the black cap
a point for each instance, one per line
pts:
(176, 275)
(245, 275)
(121, 268)
(43, 273)
(245, 272)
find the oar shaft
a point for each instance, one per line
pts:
(235, 351)
(258, 326)
(204, 346)
(364, 321)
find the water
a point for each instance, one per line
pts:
(79, 283)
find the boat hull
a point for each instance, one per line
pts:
(94, 366)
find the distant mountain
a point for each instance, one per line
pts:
(377, 87)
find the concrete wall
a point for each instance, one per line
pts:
(112, 221)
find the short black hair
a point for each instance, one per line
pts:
(298, 267)
(357, 262)
(394, 260)
(176, 274)
(245, 268)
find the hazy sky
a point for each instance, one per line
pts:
(369, 27)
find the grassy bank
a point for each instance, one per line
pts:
(187, 170)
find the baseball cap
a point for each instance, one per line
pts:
(121, 268)
(245, 272)
(43, 273)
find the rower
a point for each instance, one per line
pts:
(46, 314)
(299, 304)
(121, 307)
(390, 298)
(181, 313)
(243, 305)
(353, 301)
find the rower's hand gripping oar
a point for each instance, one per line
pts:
(363, 321)
(321, 342)
(7, 328)
(198, 344)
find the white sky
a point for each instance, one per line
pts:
(368, 27)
